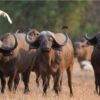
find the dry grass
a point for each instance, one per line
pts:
(83, 88)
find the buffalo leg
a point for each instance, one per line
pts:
(37, 79)
(57, 82)
(56, 87)
(45, 79)
(26, 76)
(3, 83)
(60, 86)
(96, 86)
(69, 81)
(9, 83)
(99, 90)
(16, 81)
(96, 83)
(11, 80)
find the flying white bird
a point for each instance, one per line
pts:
(4, 14)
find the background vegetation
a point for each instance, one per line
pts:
(81, 16)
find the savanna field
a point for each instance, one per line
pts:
(79, 17)
(83, 88)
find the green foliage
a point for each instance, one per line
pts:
(47, 14)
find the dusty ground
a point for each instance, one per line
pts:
(83, 88)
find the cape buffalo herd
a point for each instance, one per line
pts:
(46, 53)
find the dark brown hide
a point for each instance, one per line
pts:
(95, 41)
(54, 57)
(18, 61)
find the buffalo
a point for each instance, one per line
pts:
(15, 60)
(83, 51)
(95, 41)
(5, 51)
(54, 55)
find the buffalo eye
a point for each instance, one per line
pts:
(36, 34)
(50, 38)
(83, 46)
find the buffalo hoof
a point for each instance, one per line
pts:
(56, 91)
(44, 94)
(2, 91)
(37, 84)
(26, 91)
(60, 89)
(10, 89)
(71, 95)
(44, 91)
(15, 87)
(95, 92)
(98, 93)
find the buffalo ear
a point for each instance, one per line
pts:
(59, 40)
(91, 40)
(56, 46)
(35, 44)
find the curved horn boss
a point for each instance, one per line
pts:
(31, 36)
(91, 40)
(6, 49)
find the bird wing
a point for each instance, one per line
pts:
(4, 14)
